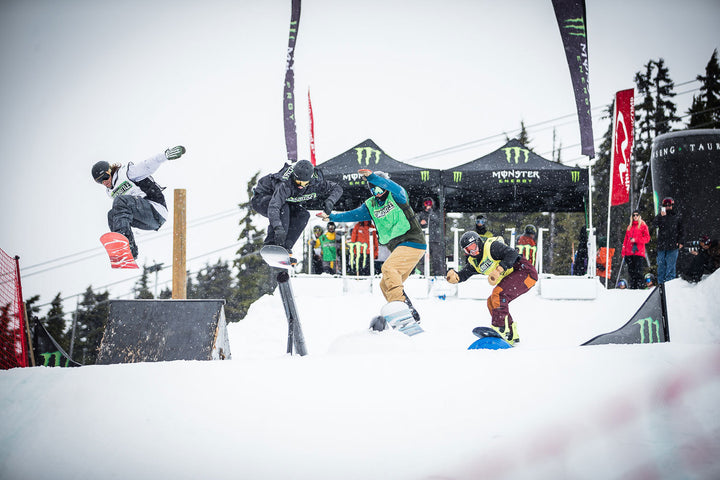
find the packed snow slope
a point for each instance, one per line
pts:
(367, 405)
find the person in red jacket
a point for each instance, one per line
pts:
(633, 250)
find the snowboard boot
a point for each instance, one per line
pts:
(508, 332)
(415, 313)
(378, 324)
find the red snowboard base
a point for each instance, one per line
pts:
(118, 248)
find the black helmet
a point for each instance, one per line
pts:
(530, 230)
(317, 228)
(470, 238)
(101, 171)
(481, 220)
(331, 227)
(303, 171)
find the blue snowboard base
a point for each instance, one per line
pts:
(489, 340)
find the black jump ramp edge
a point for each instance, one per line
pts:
(164, 330)
(649, 324)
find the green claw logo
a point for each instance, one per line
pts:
(650, 322)
(575, 27)
(575, 176)
(366, 154)
(425, 175)
(457, 177)
(516, 152)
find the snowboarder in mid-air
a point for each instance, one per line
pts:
(137, 200)
(509, 272)
(281, 197)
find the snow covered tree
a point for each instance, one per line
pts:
(255, 278)
(92, 317)
(705, 109)
(142, 291)
(54, 323)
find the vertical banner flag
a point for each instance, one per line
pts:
(570, 16)
(289, 95)
(623, 134)
(312, 131)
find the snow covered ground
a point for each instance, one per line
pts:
(365, 405)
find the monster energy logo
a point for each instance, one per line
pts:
(56, 356)
(121, 189)
(516, 176)
(516, 152)
(301, 198)
(366, 153)
(425, 175)
(575, 176)
(380, 213)
(575, 27)
(457, 176)
(650, 322)
(358, 249)
(528, 251)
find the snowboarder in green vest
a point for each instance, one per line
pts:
(397, 227)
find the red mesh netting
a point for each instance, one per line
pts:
(12, 325)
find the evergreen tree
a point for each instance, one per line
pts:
(54, 323)
(705, 109)
(255, 278)
(142, 291)
(654, 115)
(92, 317)
(166, 293)
(523, 137)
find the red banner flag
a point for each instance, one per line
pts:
(312, 131)
(623, 128)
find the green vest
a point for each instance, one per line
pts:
(328, 248)
(487, 263)
(395, 223)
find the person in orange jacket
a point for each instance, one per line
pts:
(633, 250)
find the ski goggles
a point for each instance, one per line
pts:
(376, 190)
(102, 177)
(481, 221)
(302, 183)
(472, 249)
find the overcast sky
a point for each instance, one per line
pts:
(88, 80)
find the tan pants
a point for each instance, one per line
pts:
(396, 269)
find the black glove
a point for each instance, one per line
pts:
(279, 236)
(175, 152)
(328, 206)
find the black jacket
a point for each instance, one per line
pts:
(670, 230)
(283, 190)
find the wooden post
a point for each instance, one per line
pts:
(179, 286)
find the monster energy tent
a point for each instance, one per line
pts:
(342, 169)
(514, 179)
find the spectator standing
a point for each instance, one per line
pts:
(669, 239)
(528, 238)
(317, 266)
(329, 249)
(424, 216)
(633, 250)
(481, 226)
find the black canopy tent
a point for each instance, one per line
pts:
(514, 179)
(419, 182)
(510, 179)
